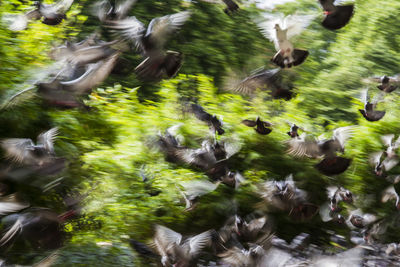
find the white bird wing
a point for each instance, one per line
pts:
(343, 134)
(389, 163)
(387, 139)
(11, 233)
(18, 149)
(304, 146)
(198, 242)
(129, 28)
(198, 188)
(122, 8)
(161, 27)
(61, 6)
(389, 194)
(375, 157)
(295, 24)
(11, 204)
(331, 191)
(267, 27)
(47, 139)
(166, 236)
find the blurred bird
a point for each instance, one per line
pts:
(284, 195)
(336, 16)
(52, 14)
(12, 203)
(193, 190)
(176, 250)
(385, 160)
(262, 127)
(336, 194)
(213, 122)
(141, 248)
(308, 146)
(360, 220)
(293, 132)
(40, 227)
(24, 151)
(112, 10)
(236, 257)
(280, 30)
(369, 112)
(151, 41)
(251, 231)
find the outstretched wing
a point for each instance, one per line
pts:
(47, 139)
(60, 7)
(295, 24)
(304, 146)
(129, 29)
(18, 150)
(342, 134)
(160, 28)
(198, 242)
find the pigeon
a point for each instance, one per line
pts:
(284, 195)
(176, 250)
(336, 194)
(157, 62)
(40, 227)
(308, 146)
(213, 122)
(280, 30)
(24, 151)
(252, 230)
(237, 257)
(293, 131)
(336, 17)
(357, 219)
(385, 161)
(369, 112)
(52, 14)
(114, 10)
(261, 127)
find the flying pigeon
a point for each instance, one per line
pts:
(336, 16)
(308, 146)
(280, 30)
(369, 112)
(261, 127)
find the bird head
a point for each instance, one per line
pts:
(384, 79)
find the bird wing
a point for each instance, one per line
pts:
(198, 242)
(47, 139)
(235, 257)
(61, 6)
(331, 191)
(295, 24)
(122, 8)
(389, 163)
(17, 149)
(260, 80)
(196, 157)
(387, 139)
(161, 27)
(129, 28)
(267, 27)
(304, 146)
(257, 224)
(364, 96)
(200, 113)
(101, 8)
(375, 157)
(11, 233)
(11, 204)
(198, 188)
(20, 22)
(95, 74)
(389, 194)
(164, 237)
(342, 134)
(249, 123)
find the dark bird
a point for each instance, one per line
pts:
(52, 14)
(24, 151)
(262, 127)
(280, 30)
(151, 41)
(308, 146)
(40, 227)
(293, 131)
(388, 84)
(213, 122)
(369, 112)
(176, 250)
(336, 17)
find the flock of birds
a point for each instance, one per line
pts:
(80, 67)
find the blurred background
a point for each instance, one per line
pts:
(109, 143)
